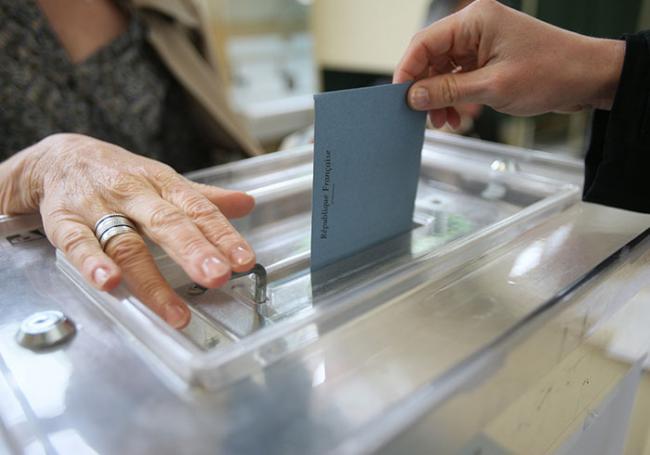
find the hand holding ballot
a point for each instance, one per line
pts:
(367, 141)
(488, 53)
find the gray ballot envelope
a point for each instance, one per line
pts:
(367, 151)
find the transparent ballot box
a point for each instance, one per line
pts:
(472, 198)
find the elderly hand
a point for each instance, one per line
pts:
(490, 54)
(74, 180)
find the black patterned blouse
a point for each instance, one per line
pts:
(121, 94)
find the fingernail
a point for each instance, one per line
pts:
(420, 98)
(100, 276)
(214, 268)
(176, 316)
(241, 255)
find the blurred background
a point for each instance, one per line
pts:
(279, 52)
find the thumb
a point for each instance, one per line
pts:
(449, 89)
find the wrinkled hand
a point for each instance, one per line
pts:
(75, 180)
(507, 60)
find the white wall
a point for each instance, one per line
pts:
(365, 35)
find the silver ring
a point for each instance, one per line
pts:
(110, 220)
(112, 232)
(111, 225)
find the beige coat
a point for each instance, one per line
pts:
(171, 24)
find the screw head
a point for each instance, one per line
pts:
(44, 329)
(196, 289)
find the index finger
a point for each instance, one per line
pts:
(434, 41)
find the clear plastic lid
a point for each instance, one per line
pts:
(469, 202)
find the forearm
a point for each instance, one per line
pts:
(18, 192)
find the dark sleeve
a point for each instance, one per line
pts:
(617, 165)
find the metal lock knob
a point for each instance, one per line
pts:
(261, 279)
(44, 329)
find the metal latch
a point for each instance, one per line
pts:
(260, 283)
